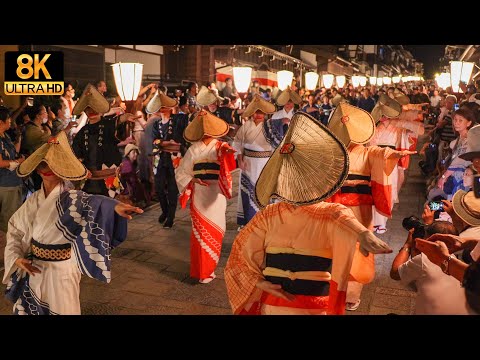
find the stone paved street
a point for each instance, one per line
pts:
(150, 269)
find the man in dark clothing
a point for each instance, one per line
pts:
(166, 150)
(96, 143)
(419, 97)
(366, 102)
(312, 108)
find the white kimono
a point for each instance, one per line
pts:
(85, 222)
(250, 141)
(208, 203)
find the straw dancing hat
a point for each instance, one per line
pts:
(205, 123)
(467, 207)
(92, 98)
(400, 97)
(350, 123)
(59, 156)
(386, 106)
(207, 96)
(288, 94)
(337, 100)
(473, 144)
(158, 101)
(309, 165)
(258, 103)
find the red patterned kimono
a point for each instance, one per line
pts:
(208, 203)
(367, 184)
(307, 249)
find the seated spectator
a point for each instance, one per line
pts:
(437, 293)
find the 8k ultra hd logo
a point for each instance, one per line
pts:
(34, 73)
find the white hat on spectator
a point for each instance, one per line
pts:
(473, 144)
(467, 207)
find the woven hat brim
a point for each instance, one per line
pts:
(294, 177)
(288, 95)
(92, 98)
(376, 113)
(31, 162)
(359, 129)
(206, 97)
(469, 156)
(60, 158)
(460, 210)
(158, 101)
(258, 104)
(205, 123)
(402, 99)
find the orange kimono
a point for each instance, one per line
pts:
(367, 184)
(307, 249)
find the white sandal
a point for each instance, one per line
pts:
(208, 279)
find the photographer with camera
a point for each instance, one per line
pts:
(438, 248)
(437, 293)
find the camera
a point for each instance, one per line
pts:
(413, 222)
(476, 186)
(435, 205)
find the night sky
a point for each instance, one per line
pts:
(429, 55)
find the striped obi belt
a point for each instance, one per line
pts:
(206, 170)
(298, 271)
(257, 154)
(55, 252)
(363, 187)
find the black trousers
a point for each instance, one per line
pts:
(167, 190)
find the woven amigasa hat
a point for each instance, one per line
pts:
(473, 144)
(308, 166)
(205, 123)
(386, 106)
(337, 100)
(400, 97)
(288, 94)
(351, 124)
(467, 207)
(59, 156)
(92, 98)
(158, 101)
(207, 97)
(258, 103)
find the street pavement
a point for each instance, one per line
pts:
(150, 270)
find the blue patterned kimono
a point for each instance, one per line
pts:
(67, 234)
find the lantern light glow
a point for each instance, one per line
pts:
(460, 71)
(340, 81)
(311, 80)
(128, 79)
(363, 80)
(242, 76)
(327, 80)
(284, 79)
(373, 80)
(355, 80)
